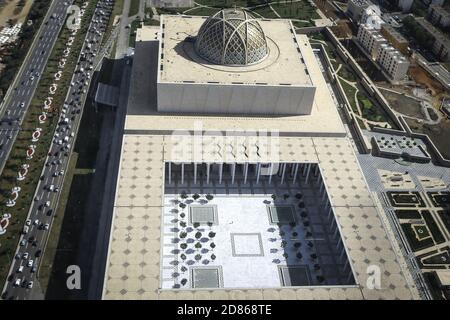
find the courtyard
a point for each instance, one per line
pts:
(234, 229)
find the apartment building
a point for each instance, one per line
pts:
(395, 38)
(392, 61)
(441, 42)
(370, 39)
(438, 16)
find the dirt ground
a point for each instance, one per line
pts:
(7, 8)
(421, 77)
(403, 104)
(439, 134)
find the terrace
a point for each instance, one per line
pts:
(232, 226)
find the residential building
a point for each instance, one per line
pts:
(395, 38)
(393, 62)
(438, 16)
(441, 42)
(355, 8)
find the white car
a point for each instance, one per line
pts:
(17, 282)
(47, 204)
(30, 263)
(30, 285)
(36, 222)
(46, 226)
(20, 269)
(22, 104)
(28, 222)
(25, 256)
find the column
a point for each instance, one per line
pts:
(258, 172)
(170, 172)
(207, 173)
(245, 172)
(295, 172)
(220, 173)
(195, 173)
(283, 172)
(271, 173)
(308, 171)
(233, 171)
(182, 173)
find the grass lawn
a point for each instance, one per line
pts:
(134, 26)
(19, 212)
(345, 73)
(301, 10)
(350, 93)
(266, 12)
(369, 110)
(202, 11)
(134, 8)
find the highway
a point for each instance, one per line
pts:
(18, 98)
(32, 245)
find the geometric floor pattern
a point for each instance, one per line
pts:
(135, 256)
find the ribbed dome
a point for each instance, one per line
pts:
(231, 37)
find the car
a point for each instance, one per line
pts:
(20, 269)
(51, 187)
(17, 282)
(23, 242)
(30, 285)
(25, 229)
(38, 253)
(36, 198)
(36, 222)
(18, 256)
(28, 222)
(25, 256)
(33, 269)
(49, 212)
(22, 104)
(30, 263)
(47, 204)
(31, 239)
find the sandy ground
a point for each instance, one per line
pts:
(7, 12)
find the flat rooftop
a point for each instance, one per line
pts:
(137, 239)
(285, 64)
(142, 114)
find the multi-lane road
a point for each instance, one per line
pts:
(20, 94)
(29, 253)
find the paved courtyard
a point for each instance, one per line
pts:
(134, 261)
(253, 236)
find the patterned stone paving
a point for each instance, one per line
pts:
(134, 261)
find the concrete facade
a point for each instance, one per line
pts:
(439, 16)
(281, 84)
(441, 44)
(395, 38)
(393, 62)
(235, 98)
(370, 40)
(355, 8)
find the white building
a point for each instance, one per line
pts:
(393, 62)
(247, 72)
(370, 40)
(355, 8)
(371, 17)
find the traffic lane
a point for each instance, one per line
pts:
(64, 163)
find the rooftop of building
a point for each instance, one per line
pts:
(439, 9)
(436, 33)
(142, 109)
(394, 33)
(285, 64)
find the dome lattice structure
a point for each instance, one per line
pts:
(231, 37)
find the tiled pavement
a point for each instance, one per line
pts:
(133, 266)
